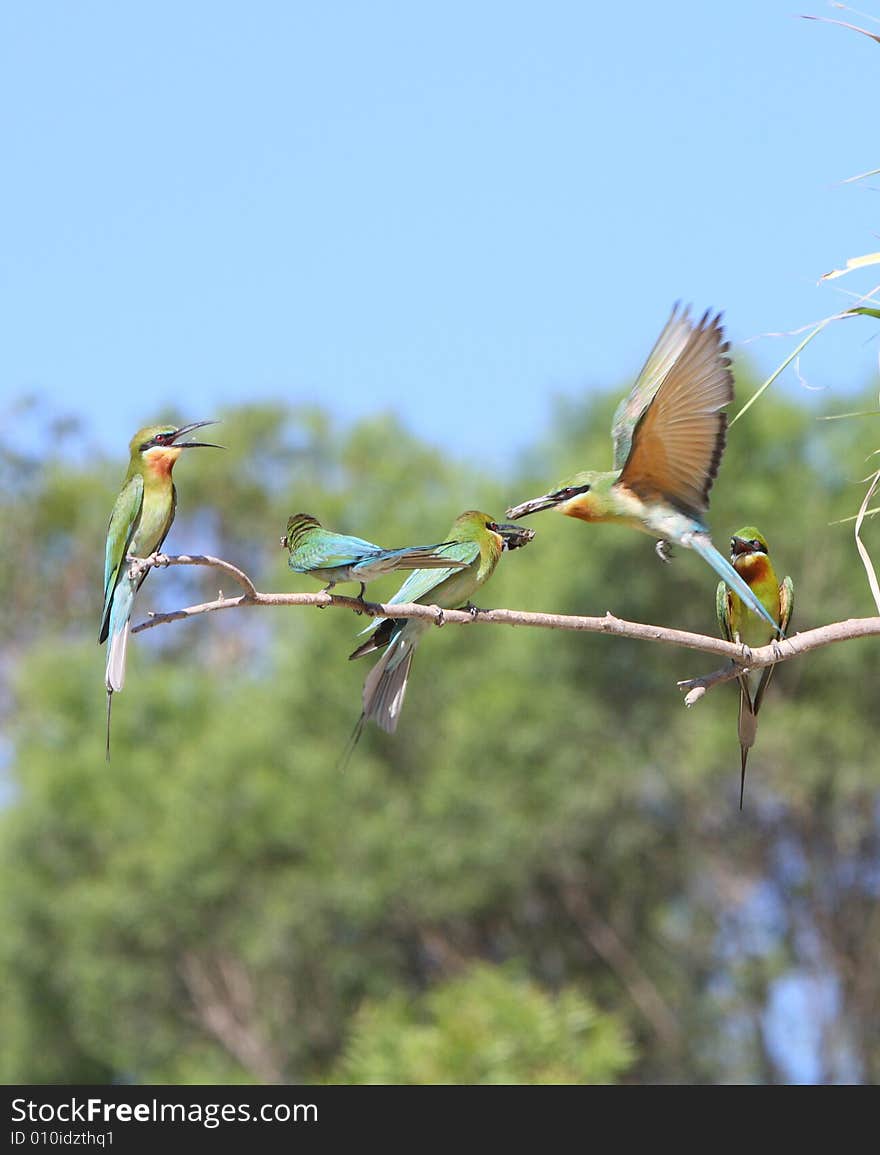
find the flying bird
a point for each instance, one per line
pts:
(139, 523)
(751, 560)
(669, 435)
(477, 542)
(336, 557)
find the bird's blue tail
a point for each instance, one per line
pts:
(707, 551)
(117, 637)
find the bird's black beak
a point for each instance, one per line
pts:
(739, 546)
(535, 505)
(184, 429)
(513, 536)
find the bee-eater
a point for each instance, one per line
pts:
(335, 557)
(668, 434)
(477, 541)
(751, 560)
(139, 523)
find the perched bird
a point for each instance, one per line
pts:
(668, 434)
(139, 523)
(335, 557)
(751, 559)
(477, 542)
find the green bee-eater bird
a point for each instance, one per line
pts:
(668, 434)
(751, 560)
(336, 557)
(139, 523)
(478, 542)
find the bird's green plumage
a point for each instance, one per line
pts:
(477, 542)
(123, 524)
(142, 514)
(336, 557)
(750, 557)
(139, 523)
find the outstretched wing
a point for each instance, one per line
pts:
(676, 445)
(123, 523)
(667, 349)
(786, 607)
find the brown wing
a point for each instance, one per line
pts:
(678, 442)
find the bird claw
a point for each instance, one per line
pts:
(664, 551)
(440, 618)
(777, 649)
(472, 610)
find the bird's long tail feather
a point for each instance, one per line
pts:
(109, 705)
(747, 727)
(117, 651)
(385, 685)
(707, 551)
(117, 643)
(423, 557)
(353, 740)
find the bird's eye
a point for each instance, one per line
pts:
(757, 546)
(162, 438)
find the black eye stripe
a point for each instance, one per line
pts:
(159, 439)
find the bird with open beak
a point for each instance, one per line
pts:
(139, 523)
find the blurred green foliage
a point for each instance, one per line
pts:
(484, 1027)
(221, 904)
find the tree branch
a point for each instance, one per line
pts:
(739, 657)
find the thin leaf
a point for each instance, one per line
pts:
(868, 513)
(788, 360)
(853, 263)
(861, 176)
(863, 311)
(863, 553)
(855, 413)
(842, 24)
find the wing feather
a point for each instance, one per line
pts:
(679, 438)
(124, 521)
(667, 349)
(421, 582)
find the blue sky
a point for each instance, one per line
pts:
(454, 212)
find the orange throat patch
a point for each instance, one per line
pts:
(160, 461)
(752, 568)
(582, 506)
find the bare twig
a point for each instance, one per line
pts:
(738, 657)
(160, 560)
(697, 687)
